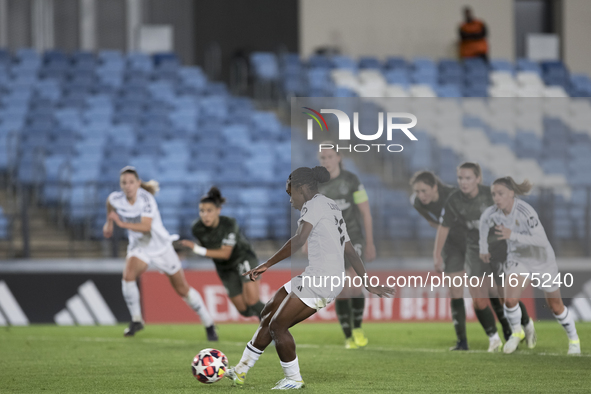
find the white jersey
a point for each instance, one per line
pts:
(528, 242)
(158, 239)
(326, 242)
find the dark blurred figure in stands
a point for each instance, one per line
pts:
(473, 35)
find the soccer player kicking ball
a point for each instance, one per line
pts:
(321, 224)
(529, 252)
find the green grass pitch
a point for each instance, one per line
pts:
(400, 357)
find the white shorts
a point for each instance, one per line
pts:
(167, 262)
(546, 272)
(314, 297)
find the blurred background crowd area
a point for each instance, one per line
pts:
(196, 93)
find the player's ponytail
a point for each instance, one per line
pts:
(309, 176)
(151, 186)
(520, 189)
(320, 174)
(475, 167)
(427, 177)
(213, 196)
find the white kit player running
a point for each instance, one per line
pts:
(134, 209)
(529, 255)
(321, 224)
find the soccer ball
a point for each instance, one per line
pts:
(209, 365)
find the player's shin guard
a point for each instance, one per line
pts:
(524, 314)
(343, 309)
(500, 312)
(514, 317)
(487, 320)
(131, 295)
(568, 323)
(357, 309)
(458, 314)
(194, 300)
(291, 370)
(249, 357)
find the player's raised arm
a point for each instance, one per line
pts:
(294, 244)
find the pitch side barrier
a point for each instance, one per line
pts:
(88, 292)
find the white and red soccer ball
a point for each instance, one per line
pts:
(209, 366)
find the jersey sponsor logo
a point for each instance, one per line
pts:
(473, 224)
(343, 189)
(129, 219)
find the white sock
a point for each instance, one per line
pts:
(494, 337)
(131, 295)
(568, 323)
(194, 300)
(513, 315)
(249, 357)
(292, 370)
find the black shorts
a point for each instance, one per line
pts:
(454, 256)
(474, 265)
(233, 278)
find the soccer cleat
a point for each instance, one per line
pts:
(359, 337)
(507, 333)
(530, 334)
(513, 342)
(495, 344)
(288, 384)
(212, 334)
(574, 347)
(134, 327)
(236, 378)
(350, 344)
(461, 345)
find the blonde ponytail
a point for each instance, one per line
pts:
(151, 186)
(520, 189)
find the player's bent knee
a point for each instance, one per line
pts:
(129, 276)
(275, 327)
(480, 303)
(511, 302)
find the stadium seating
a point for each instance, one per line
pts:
(543, 138)
(69, 122)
